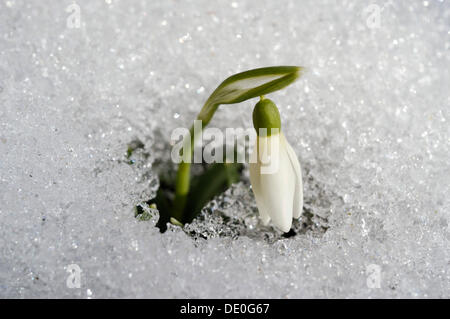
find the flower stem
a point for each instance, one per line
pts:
(183, 178)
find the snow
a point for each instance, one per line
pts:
(369, 122)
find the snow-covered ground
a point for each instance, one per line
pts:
(369, 122)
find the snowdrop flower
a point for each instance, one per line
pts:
(275, 172)
(237, 88)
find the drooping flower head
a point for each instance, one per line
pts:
(275, 172)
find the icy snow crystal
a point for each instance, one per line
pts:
(369, 121)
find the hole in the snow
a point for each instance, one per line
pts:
(290, 233)
(233, 212)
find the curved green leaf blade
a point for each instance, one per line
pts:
(254, 83)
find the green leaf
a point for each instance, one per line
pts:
(175, 222)
(254, 83)
(249, 84)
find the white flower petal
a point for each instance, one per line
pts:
(298, 194)
(276, 187)
(255, 180)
